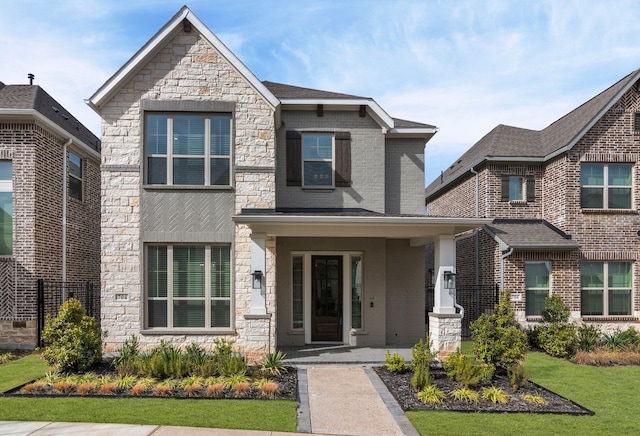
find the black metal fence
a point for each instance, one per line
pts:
(475, 299)
(52, 294)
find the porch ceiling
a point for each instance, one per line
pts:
(419, 229)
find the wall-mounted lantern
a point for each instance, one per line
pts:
(449, 279)
(257, 279)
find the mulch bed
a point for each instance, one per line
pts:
(400, 387)
(287, 389)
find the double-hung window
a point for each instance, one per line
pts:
(605, 288)
(537, 286)
(75, 176)
(6, 208)
(518, 189)
(318, 155)
(605, 186)
(188, 286)
(188, 149)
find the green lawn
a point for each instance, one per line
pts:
(612, 393)
(271, 415)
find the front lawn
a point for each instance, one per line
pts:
(271, 415)
(610, 392)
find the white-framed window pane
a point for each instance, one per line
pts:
(220, 313)
(534, 303)
(220, 272)
(619, 301)
(6, 223)
(298, 291)
(188, 171)
(591, 302)
(220, 171)
(6, 171)
(356, 292)
(515, 189)
(156, 134)
(537, 274)
(75, 165)
(75, 188)
(619, 175)
(157, 272)
(157, 170)
(592, 174)
(318, 173)
(592, 198)
(188, 135)
(188, 271)
(221, 135)
(75, 176)
(157, 313)
(619, 275)
(188, 313)
(619, 198)
(318, 146)
(592, 275)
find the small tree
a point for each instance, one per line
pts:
(498, 340)
(557, 336)
(75, 339)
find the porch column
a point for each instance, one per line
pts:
(445, 325)
(258, 264)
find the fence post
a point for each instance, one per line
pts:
(40, 310)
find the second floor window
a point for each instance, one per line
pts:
(75, 176)
(317, 154)
(318, 160)
(6, 208)
(518, 188)
(189, 149)
(605, 186)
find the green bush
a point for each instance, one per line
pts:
(621, 340)
(395, 362)
(555, 311)
(421, 358)
(518, 376)
(466, 371)
(498, 340)
(588, 337)
(559, 340)
(75, 339)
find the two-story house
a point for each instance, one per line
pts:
(565, 207)
(49, 205)
(268, 214)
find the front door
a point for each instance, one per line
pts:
(326, 299)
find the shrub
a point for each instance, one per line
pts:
(75, 339)
(125, 361)
(555, 311)
(395, 362)
(464, 370)
(466, 395)
(559, 340)
(588, 337)
(162, 390)
(6, 357)
(215, 388)
(33, 387)
(534, 399)
(498, 340)
(621, 339)
(421, 358)
(126, 382)
(193, 389)
(273, 363)
(86, 388)
(269, 388)
(518, 376)
(241, 387)
(431, 395)
(139, 389)
(495, 395)
(63, 386)
(108, 388)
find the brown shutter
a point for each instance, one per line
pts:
(294, 158)
(504, 194)
(343, 158)
(531, 189)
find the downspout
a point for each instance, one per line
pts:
(64, 209)
(503, 257)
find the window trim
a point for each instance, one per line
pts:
(7, 187)
(605, 289)
(207, 156)
(332, 185)
(605, 186)
(208, 294)
(527, 191)
(79, 178)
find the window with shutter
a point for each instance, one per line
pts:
(318, 160)
(636, 122)
(531, 189)
(294, 158)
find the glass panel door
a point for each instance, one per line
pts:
(326, 299)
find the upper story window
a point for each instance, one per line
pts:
(518, 188)
(605, 186)
(6, 208)
(189, 149)
(636, 122)
(318, 159)
(605, 288)
(537, 286)
(75, 176)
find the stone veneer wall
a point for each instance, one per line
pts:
(186, 69)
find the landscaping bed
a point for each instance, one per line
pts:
(399, 384)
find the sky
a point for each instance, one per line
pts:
(464, 66)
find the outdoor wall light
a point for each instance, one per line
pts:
(257, 279)
(449, 279)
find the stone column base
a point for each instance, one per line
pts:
(258, 337)
(445, 331)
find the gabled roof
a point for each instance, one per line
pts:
(529, 235)
(32, 100)
(506, 143)
(165, 34)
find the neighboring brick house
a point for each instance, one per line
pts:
(49, 202)
(565, 205)
(268, 214)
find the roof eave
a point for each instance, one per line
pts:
(168, 31)
(373, 108)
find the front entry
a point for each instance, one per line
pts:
(326, 299)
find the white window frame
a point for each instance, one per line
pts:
(605, 186)
(6, 185)
(332, 160)
(79, 178)
(605, 289)
(207, 156)
(534, 288)
(207, 294)
(522, 188)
